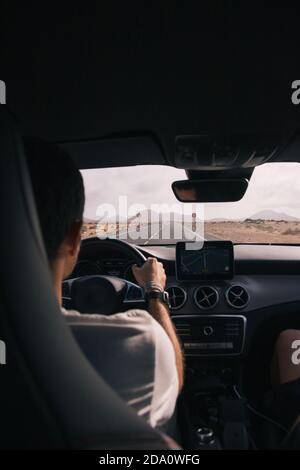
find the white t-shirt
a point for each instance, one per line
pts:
(134, 355)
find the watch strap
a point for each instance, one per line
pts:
(163, 296)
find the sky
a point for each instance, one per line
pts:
(273, 186)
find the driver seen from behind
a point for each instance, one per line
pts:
(139, 354)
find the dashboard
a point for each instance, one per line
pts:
(264, 286)
(264, 276)
(229, 322)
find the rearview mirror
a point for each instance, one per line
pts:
(210, 190)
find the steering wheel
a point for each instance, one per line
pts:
(105, 294)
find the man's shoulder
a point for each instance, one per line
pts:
(132, 323)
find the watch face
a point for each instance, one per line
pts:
(166, 298)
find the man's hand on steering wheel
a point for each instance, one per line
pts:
(151, 273)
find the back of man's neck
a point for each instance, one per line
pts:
(57, 273)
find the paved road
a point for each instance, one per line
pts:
(162, 234)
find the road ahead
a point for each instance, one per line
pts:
(161, 234)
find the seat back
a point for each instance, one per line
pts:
(51, 397)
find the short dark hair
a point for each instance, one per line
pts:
(58, 191)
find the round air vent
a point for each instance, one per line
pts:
(206, 297)
(237, 297)
(177, 297)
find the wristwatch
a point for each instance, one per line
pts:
(163, 296)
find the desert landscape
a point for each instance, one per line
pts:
(255, 231)
(247, 231)
(89, 229)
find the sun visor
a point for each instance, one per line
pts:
(111, 152)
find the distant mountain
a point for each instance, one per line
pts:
(273, 215)
(142, 216)
(177, 217)
(147, 215)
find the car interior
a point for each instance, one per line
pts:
(203, 96)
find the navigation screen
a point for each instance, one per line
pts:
(213, 261)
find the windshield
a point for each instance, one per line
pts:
(137, 204)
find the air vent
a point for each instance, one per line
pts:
(206, 297)
(237, 297)
(177, 297)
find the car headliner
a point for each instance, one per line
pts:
(141, 77)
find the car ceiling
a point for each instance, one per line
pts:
(117, 85)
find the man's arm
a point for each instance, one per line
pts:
(153, 271)
(160, 313)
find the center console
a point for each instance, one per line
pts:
(211, 335)
(213, 413)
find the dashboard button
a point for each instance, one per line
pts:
(208, 330)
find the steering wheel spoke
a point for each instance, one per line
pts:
(105, 294)
(102, 294)
(134, 294)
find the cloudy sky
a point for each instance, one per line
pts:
(273, 186)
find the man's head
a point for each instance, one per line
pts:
(59, 194)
